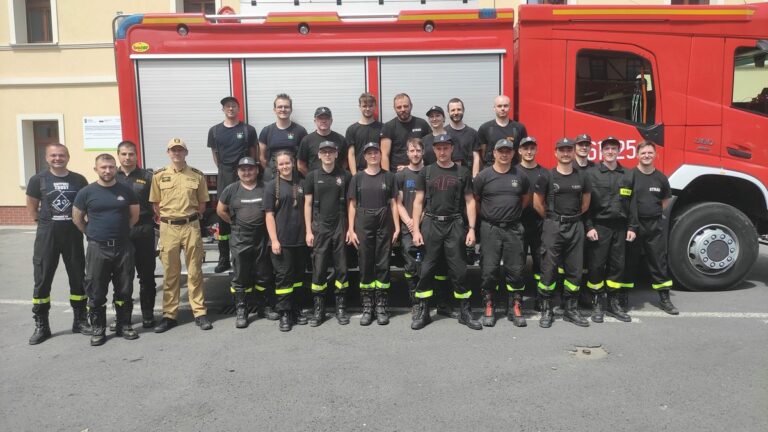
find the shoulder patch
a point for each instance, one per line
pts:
(159, 170)
(197, 171)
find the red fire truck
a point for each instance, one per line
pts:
(692, 79)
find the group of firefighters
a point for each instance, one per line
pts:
(436, 189)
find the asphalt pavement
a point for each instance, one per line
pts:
(704, 370)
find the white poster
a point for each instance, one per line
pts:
(101, 133)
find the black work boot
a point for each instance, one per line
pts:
(515, 310)
(241, 310)
(42, 328)
(366, 298)
(624, 300)
(558, 308)
(148, 310)
(489, 315)
(298, 316)
(614, 308)
(80, 321)
(112, 325)
(571, 313)
(421, 316)
(224, 263)
(263, 306)
(285, 323)
(597, 306)
(98, 317)
(124, 327)
(665, 303)
(412, 294)
(547, 316)
(382, 316)
(318, 310)
(341, 309)
(465, 316)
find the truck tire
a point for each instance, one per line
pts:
(712, 246)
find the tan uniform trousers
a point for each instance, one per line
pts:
(173, 240)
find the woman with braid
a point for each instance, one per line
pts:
(283, 207)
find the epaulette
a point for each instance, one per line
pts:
(197, 171)
(159, 170)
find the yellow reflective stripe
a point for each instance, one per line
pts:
(232, 290)
(248, 290)
(298, 284)
(316, 287)
(625, 191)
(173, 20)
(613, 284)
(74, 297)
(537, 276)
(367, 285)
(283, 291)
(462, 296)
(119, 302)
(628, 285)
(341, 285)
(41, 301)
(223, 236)
(560, 270)
(259, 287)
(570, 285)
(667, 284)
(511, 288)
(407, 275)
(441, 277)
(544, 287)
(382, 285)
(595, 286)
(423, 294)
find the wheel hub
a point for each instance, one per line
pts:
(713, 249)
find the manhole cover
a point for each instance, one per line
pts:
(589, 352)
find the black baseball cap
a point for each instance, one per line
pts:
(323, 111)
(610, 140)
(230, 99)
(564, 142)
(442, 139)
(247, 161)
(583, 138)
(436, 109)
(528, 140)
(504, 143)
(371, 145)
(327, 144)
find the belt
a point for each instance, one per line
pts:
(109, 243)
(564, 219)
(509, 224)
(183, 221)
(443, 218)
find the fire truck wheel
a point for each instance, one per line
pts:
(712, 246)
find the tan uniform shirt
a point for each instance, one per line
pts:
(178, 193)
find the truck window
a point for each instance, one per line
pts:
(750, 80)
(615, 84)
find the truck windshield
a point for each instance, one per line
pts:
(750, 79)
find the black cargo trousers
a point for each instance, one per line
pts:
(54, 239)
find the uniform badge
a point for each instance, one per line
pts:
(515, 183)
(383, 186)
(290, 136)
(240, 135)
(338, 181)
(120, 198)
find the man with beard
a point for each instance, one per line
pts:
(467, 148)
(395, 134)
(501, 127)
(365, 130)
(112, 208)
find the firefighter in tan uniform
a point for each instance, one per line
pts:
(178, 195)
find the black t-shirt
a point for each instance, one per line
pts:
(277, 139)
(246, 207)
(576, 165)
(329, 194)
(289, 211)
(490, 132)
(108, 210)
(533, 175)
(399, 133)
(372, 191)
(650, 190)
(563, 192)
(406, 183)
(445, 192)
(465, 141)
(429, 151)
(140, 180)
(56, 194)
(308, 149)
(231, 143)
(501, 194)
(359, 135)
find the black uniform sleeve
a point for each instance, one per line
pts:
(475, 143)
(525, 185)
(301, 133)
(33, 187)
(226, 194)
(633, 220)
(421, 180)
(264, 135)
(390, 178)
(252, 135)
(482, 134)
(133, 198)
(666, 190)
(467, 180)
(269, 196)
(388, 130)
(351, 190)
(81, 199)
(303, 154)
(211, 139)
(309, 183)
(478, 183)
(587, 180)
(542, 184)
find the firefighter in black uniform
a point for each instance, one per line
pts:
(560, 198)
(373, 226)
(610, 222)
(502, 192)
(581, 160)
(284, 205)
(241, 204)
(325, 216)
(532, 222)
(143, 233)
(440, 190)
(229, 141)
(652, 194)
(112, 209)
(50, 195)
(406, 185)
